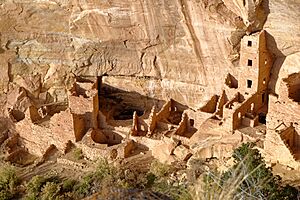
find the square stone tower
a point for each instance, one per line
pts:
(255, 64)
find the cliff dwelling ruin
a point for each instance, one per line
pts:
(106, 121)
(133, 86)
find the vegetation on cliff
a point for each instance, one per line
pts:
(248, 178)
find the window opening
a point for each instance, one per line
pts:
(249, 44)
(249, 83)
(249, 62)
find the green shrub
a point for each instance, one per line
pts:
(30, 196)
(77, 154)
(249, 178)
(159, 169)
(150, 179)
(130, 179)
(5, 194)
(68, 185)
(83, 188)
(50, 191)
(174, 190)
(95, 180)
(34, 186)
(104, 169)
(158, 180)
(8, 183)
(258, 180)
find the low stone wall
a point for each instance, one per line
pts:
(94, 151)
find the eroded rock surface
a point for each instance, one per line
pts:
(150, 52)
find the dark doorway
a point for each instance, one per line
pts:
(262, 118)
(192, 122)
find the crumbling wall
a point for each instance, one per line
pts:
(17, 99)
(277, 151)
(183, 126)
(165, 111)
(211, 105)
(160, 118)
(152, 121)
(80, 105)
(139, 126)
(282, 110)
(79, 126)
(148, 142)
(34, 137)
(288, 136)
(34, 114)
(84, 106)
(293, 84)
(229, 110)
(38, 137)
(61, 125)
(198, 117)
(125, 149)
(250, 105)
(135, 125)
(220, 104)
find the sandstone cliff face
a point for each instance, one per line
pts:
(184, 48)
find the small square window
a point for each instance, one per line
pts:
(249, 83)
(249, 62)
(249, 44)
